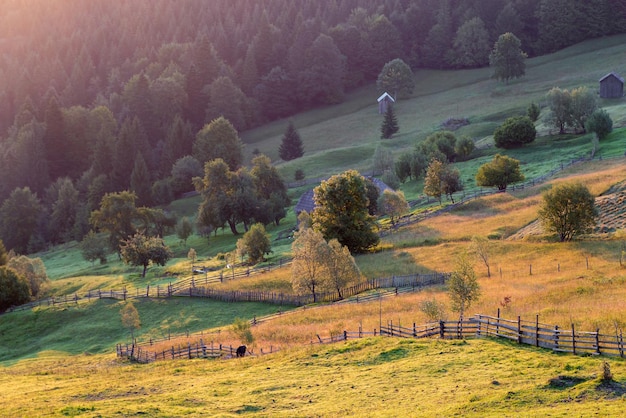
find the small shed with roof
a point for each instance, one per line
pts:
(384, 101)
(611, 86)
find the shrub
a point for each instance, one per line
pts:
(515, 132)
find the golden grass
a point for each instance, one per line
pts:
(377, 377)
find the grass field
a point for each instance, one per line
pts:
(378, 377)
(59, 362)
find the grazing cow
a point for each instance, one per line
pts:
(241, 351)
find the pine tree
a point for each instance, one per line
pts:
(140, 181)
(390, 124)
(291, 145)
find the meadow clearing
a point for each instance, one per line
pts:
(59, 361)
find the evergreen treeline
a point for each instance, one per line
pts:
(99, 96)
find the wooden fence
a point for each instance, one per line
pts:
(523, 332)
(407, 283)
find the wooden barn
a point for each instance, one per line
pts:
(611, 86)
(385, 100)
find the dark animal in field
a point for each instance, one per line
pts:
(241, 351)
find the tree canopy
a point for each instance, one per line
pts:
(568, 209)
(499, 172)
(140, 250)
(507, 58)
(396, 78)
(341, 211)
(515, 132)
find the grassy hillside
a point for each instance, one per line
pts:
(379, 377)
(582, 282)
(345, 136)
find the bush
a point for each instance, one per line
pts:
(533, 112)
(13, 289)
(515, 132)
(600, 123)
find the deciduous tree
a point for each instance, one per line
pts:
(307, 269)
(341, 269)
(600, 123)
(507, 58)
(499, 172)
(396, 78)
(130, 318)
(219, 139)
(94, 247)
(13, 289)
(515, 132)
(19, 216)
(140, 250)
(184, 229)
(33, 271)
(393, 204)
(463, 288)
(256, 243)
(115, 216)
(342, 211)
(568, 209)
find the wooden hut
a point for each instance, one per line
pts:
(611, 86)
(385, 100)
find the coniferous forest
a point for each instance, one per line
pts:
(102, 96)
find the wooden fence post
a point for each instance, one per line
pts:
(442, 331)
(345, 335)
(598, 341)
(556, 337)
(537, 331)
(519, 329)
(573, 339)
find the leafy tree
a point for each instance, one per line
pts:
(4, 258)
(307, 269)
(390, 124)
(464, 147)
(94, 247)
(390, 179)
(482, 247)
(463, 288)
(471, 44)
(228, 101)
(130, 318)
(271, 190)
(515, 132)
(451, 179)
(568, 209)
(184, 229)
(33, 271)
(507, 58)
(298, 174)
(600, 123)
(55, 142)
(584, 103)
(433, 183)
(396, 77)
(13, 289)
(533, 112)
(219, 139)
(440, 145)
(291, 144)
(115, 216)
(192, 255)
(383, 160)
(434, 311)
(140, 250)
(154, 221)
(162, 193)
(393, 204)
(560, 104)
(243, 330)
(183, 172)
(341, 269)
(402, 166)
(321, 82)
(256, 243)
(499, 172)
(215, 189)
(19, 217)
(342, 211)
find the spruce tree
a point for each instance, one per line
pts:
(390, 124)
(291, 145)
